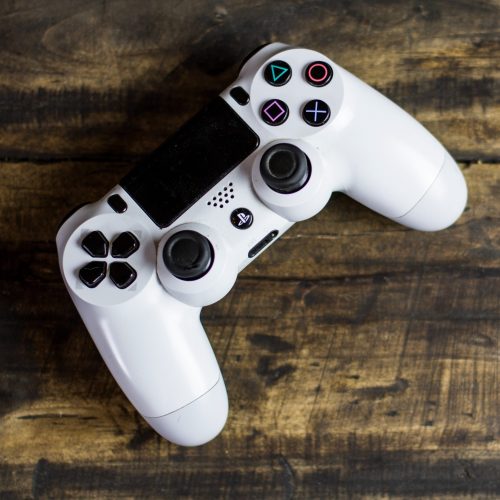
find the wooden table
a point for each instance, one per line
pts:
(361, 358)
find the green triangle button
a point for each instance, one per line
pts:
(277, 71)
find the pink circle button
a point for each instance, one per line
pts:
(319, 73)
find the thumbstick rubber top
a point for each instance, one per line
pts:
(188, 255)
(285, 168)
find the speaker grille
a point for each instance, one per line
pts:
(222, 197)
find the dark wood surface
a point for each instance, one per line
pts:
(361, 358)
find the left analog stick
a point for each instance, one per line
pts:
(188, 255)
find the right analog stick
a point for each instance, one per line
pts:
(188, 255)
(285, 168)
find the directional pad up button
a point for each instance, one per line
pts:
(95, 244)
(124, 246)
(93, 273)
(122, 274)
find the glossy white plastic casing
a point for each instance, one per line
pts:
(150, 334)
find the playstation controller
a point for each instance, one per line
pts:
(172, 236)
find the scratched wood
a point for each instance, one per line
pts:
(361, 358)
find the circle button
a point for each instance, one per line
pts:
(277, 73)
(316, 113)
(274, 112)
(319, 73)
(241, 218)
(188, 255)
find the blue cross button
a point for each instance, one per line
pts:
(316, 113)
(277, 73)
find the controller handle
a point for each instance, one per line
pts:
(393, 165)
(158, 352)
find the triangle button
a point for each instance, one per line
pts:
(277, 73)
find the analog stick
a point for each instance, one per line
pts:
(285, 168)
(188, 255)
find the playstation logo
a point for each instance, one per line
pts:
(241, 218)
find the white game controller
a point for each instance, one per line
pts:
(173, 235)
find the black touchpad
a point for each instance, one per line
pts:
(190, 163)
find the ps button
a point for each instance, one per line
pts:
(316, 113)
(277, 73)
(122, 274)
(117, 203)
(124, 246)
(95, 244)
(319, 73)
(241, 218)
(240, 95)
(93, 273)
(274, 112)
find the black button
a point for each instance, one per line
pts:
(122, 274)
(188, 255)
(316, 113)
(124, 246)
(95, 244)
(274, 112)
(319, 73)
(277, 73)
(285, 168)
(241, 218)
(262, 244)
(240, 95)
(117, 203)
(93, 273)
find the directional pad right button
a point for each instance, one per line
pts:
(124, 246)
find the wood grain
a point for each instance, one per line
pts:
(361, 358)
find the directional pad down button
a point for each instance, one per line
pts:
(124, 246)
(122, 274)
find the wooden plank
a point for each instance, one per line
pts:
(361, 358)
(93, 79)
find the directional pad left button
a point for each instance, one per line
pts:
(95, 244)
(93, 273)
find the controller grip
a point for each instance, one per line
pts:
(159, 354)
(393, 164)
